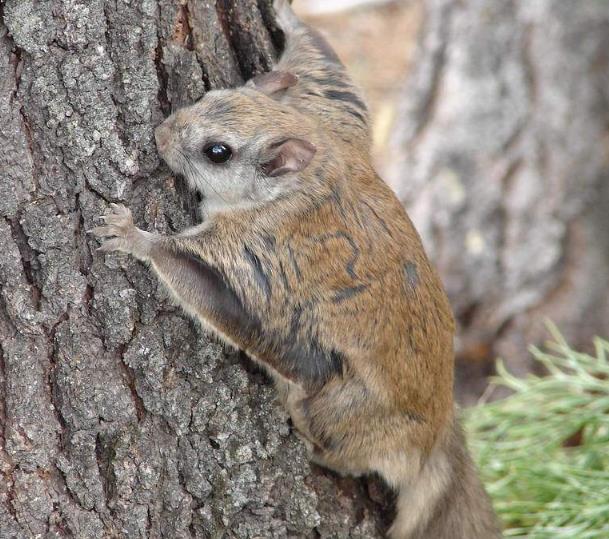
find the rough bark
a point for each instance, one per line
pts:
(501, 154)
(118, 416)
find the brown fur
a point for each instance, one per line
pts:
(319, 275)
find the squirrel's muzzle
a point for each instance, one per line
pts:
(162, 134)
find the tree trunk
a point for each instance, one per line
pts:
(504, 132)
(119, 417)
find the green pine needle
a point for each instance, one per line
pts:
(544, 451)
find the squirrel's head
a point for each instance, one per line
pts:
(240, 147)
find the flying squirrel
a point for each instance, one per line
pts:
(308, 262)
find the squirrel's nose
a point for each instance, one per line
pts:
(161, 134)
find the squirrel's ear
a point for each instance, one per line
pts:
(287, 155)
(273, 82)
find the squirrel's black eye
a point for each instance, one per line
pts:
(218, 152)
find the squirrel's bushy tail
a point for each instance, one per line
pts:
(447, 499)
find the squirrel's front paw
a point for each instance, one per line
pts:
(120, 234)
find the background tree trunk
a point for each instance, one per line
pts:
(118, 416)
(501, 155)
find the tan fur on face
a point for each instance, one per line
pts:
(235, 118)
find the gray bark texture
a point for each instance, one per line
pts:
(118, 416)
(501, 155)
